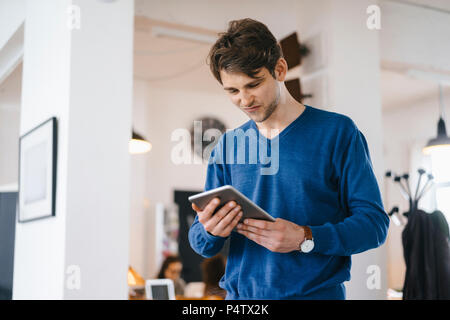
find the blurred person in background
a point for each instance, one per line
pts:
(213, 269)
(171, 269)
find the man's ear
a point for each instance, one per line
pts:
(281, 69)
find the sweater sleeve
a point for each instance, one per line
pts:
(366, 224)
(202, 242)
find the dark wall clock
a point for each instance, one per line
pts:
(206, 123)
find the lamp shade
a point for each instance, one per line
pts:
(442, 141)
(134, 278)
(138, 144)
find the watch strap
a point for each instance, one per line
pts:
(308, 233)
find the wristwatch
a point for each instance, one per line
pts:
(308, 244)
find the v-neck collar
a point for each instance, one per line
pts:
(283, 132)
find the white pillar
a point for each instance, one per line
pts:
(84, 78)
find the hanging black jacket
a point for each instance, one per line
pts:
(426, 250)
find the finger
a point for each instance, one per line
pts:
(258, 231)
(261, 224)
(209, 209)
(223, 224)
(211, 222)
(222, 212)
(259, 239)
(195, 208)
(234, 223)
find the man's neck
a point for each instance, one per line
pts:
(286, 112)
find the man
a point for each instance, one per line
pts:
(324, 195)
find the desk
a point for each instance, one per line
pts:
(202, 298)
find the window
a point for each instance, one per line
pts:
(440, 163)
(443, 199)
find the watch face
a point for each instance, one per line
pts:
(307, 246)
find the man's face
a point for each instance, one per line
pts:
(258, 98)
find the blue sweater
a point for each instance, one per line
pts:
(317, 172)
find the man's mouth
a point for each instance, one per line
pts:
(254, 108)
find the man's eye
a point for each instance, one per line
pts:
(254, 85)
(249, 86)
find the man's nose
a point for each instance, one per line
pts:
(246, 100)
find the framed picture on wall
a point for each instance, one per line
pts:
(37, 172)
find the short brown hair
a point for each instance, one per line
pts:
(246, 47)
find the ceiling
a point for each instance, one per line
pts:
(168, 61)
(399, 90)
(441, 5)
(10, 90)
(215, 14)
(182, 65)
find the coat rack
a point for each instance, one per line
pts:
(406, 191)
(425, 241)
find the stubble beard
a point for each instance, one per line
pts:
(269, 110)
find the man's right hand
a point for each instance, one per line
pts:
(223, 221)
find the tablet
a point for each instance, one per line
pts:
(228, 193)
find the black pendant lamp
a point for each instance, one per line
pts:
(442, 141)
(138, 144)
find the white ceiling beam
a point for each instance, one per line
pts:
(11, 54)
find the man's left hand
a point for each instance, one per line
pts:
(279, 236)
